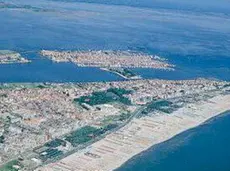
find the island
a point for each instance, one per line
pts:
(10, 57)
(118, 62)
(99, 125)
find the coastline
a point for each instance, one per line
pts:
(141, 134)
(209, 136)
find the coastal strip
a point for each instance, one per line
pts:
(43, 123)
(139, 135)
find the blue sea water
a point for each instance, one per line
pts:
(204, 148)
(193, 35)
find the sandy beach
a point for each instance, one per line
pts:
(139, 135)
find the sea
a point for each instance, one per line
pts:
(192, 35)
(204, 148)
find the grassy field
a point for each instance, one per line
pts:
(103, 97)
(163, 106)
(9, 166)
(87, 133)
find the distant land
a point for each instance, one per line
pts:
(117, 62)
(10, 57)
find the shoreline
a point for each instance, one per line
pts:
(189, 134)
(141, 134)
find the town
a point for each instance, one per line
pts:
(44, 122)
(113, 59)
(10, 57)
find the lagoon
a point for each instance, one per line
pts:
(197, 42)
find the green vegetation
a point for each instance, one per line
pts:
(126, 72)
(3, 95)
(103, 97)
(2, 139)
(119, 91)
(87, 133)
(124, 117)
(10, 166)
(55, 143)
(50, 154)
(123, 71)
(159, 104)
(226, 85)
(41, 86)
(109, 127)
(81, 135)
(116, 118)
(97, 98)
(163, 106)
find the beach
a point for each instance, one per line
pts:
(139, 135)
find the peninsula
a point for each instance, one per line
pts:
(118, 62)
(10, 57)
(49, 126)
